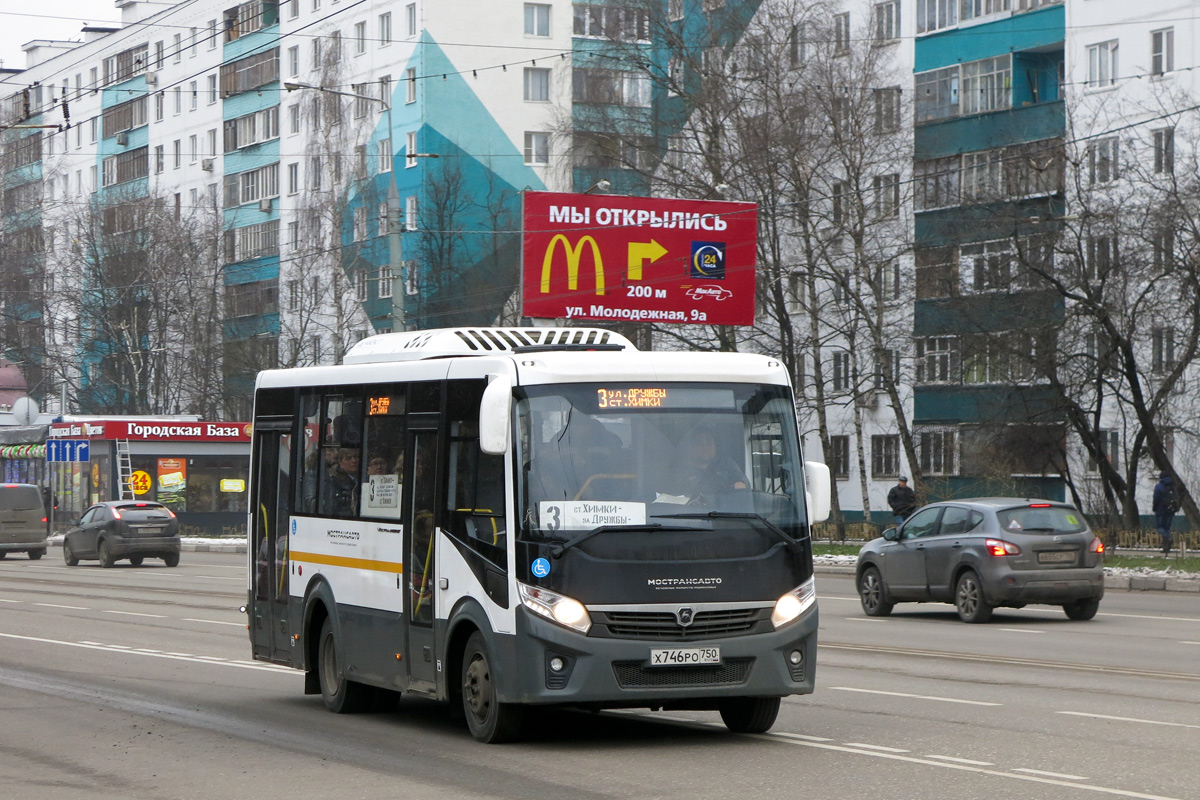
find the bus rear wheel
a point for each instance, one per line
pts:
(488, 719)
(749, 714)
(341, 695)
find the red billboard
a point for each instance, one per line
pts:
(638, 259)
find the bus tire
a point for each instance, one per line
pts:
(489, 720)
(749, 714)
(341, 695)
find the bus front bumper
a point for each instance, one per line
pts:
(618, 672)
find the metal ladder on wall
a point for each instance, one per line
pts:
(124, 470)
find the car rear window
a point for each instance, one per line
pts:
(143, 513)
(20, 498)
(1042, 519)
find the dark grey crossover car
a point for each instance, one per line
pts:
(985, 553)
(116, 529)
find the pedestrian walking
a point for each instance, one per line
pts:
(902, 499)
(1166, 503)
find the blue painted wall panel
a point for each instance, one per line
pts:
(1032, 30)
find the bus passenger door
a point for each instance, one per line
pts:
(269, 542)
(421, 654)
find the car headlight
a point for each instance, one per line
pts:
(794, 603)
(559, 608)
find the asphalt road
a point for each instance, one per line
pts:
(137, 683)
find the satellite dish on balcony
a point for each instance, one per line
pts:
(25, 411)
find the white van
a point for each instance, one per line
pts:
(22, 520)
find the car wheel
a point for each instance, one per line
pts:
(107, 559)
(171, 559)
(749, 714)
(968, 599)
(136, 560)
(341, 695)
(1082, 609)
(3, 553)
(488, 719)
(870, 593)
(69, 555)
(34, 555)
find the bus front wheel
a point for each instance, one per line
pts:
(749, 714)
(341, 695)
(488, 719)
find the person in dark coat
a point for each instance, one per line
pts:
(1166, 503)
(902, 499)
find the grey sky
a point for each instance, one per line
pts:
(24, 20)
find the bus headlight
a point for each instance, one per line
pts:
(794, 603)
(566, 611)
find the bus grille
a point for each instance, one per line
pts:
(664, 626)
(636, 675)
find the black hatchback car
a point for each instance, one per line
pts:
(982, 554)
(117, 529)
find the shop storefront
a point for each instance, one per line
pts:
(198, 469)
(23, 454)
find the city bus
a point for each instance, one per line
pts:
(508, 518)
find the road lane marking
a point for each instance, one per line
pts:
(1189, 642)
(804, 737)
(1027, 610)
(1130, 719)
(132, 614)
(55, 605)
(1009, 660)
(978, 770)
(219, 577)
(129, 651)
(957, 760)
(215, 622)
(878, 747)
(915, 696)
(865, 619)
(2, 600)
(1019, 630)
(1050, 774)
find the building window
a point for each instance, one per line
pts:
(887, 21)
(1103, 160)
(385, 155)
(360, 38)
(987, 85)
(537, 19)
(1162, 349)
(1163, 249)
(841, 200)
(934, 15)
(841, 371)
(887, 368)
(1164, 150)
(294, 118)
(841, 33)
(797, 44)
(1109, 442)
(937, 360)
(981, 176)
(936, 451)
(410, 149)
(293, 178)
(972, 9)
(410, 17)
(839, 456)
(1102, 64)
(887, 280)
(887, 195)
(1101, 257)
(294, 61)
(885, 456)
(935, 182)
(385, 29)
(410, 85)
(986, 267)
(537, 147)
(1162, 51)
(410, 213)
(887, 109)
(384, 284)
(537, 85)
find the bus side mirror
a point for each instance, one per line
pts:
(494, 411)
(817, 490)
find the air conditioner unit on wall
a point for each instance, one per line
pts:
(152, 79)
(206, 164)
(122, 138)
(264, 204)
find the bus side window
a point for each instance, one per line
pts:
(310, 406)
(475, 503)
(384, 449)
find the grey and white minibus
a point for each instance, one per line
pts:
(507, 518)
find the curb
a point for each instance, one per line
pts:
(1115, 583)
(217, 547)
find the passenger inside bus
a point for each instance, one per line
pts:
(342, 485)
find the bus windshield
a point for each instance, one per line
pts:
(600, 456)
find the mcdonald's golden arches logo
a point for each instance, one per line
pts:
(573, 255)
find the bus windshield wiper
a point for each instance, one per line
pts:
(558, 548)
(776, 531)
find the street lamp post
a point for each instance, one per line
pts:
(399, 321)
